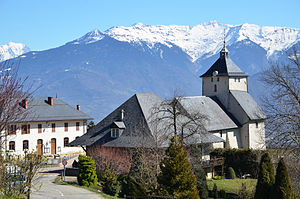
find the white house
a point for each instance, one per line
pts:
(50, 124)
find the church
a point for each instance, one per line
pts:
(234, 119)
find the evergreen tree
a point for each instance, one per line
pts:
(109, 181)
(283, 189)
(196, 162)
(87, 171)
(266, 178)
(230, 173)
(176, 177)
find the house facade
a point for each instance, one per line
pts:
(232, 117)
(48, 127)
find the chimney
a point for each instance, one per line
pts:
(78, 107)
(25, 103)
(122, 114)
(50, 101)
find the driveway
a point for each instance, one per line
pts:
(51, 190)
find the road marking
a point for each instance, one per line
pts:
(61, 193)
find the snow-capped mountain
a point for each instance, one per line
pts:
(100, 70)
(205, 38)
(12, 50)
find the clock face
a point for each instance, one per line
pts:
(215, 73)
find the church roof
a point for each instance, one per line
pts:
(138, 129)
(224, 66)
(217, 119)
(249, 105)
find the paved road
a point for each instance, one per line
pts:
(53, 191)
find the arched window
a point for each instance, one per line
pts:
(66, 142)
(12, 145)
(25, 145)
(215, 89)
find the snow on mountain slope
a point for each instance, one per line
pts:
(12, 50)
(207, 38)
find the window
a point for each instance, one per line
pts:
(25, 129)
(239, 79)
(53, 127)
(25, 145)
(39, 128)
(234, 79)
(12, 129)
(66, 142)
(115, 133)
(12, 146)
(218, 79)
(212, 79)
(220, 133)
(77, 126)
(215, 88)
(256, 124)
(66, 127)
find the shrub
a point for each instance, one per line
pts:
(130, 187)
(176, 177)
(243, 193)
(109, 181)
(215, 191)
(222, 194)
(266, 178)
(283, 189)
(230, 173)
(87, 171)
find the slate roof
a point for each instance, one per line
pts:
(224, 67)
(137, 113)
(40, 110)
(137, 120)
(249, 105)
(217, 119)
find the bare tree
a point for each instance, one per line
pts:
(17, 173)
(12, 96)
(171, 118)
(282, 105)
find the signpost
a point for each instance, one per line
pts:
(64, 162)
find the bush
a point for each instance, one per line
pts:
(230, 173)
(130, 187)
(243, 161)
(243, 193)
(87, 171)
(215, 191)
(266, 178)
(109, 181)
(176, 177)
(222, 194)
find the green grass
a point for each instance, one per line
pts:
(232, 185)
(58, 180)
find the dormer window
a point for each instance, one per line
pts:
(116, 129)
(115, 132)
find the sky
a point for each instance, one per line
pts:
(44, 24)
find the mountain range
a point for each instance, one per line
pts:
(101, 70)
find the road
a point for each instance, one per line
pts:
(53, 191)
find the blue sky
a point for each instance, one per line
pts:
(43, 24)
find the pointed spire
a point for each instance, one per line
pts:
(224, 51)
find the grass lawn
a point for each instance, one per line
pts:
(232, 185)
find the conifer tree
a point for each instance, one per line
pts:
(176, 177)
(109, 181)
(283, 189)
(266, 178)
(87, 171)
